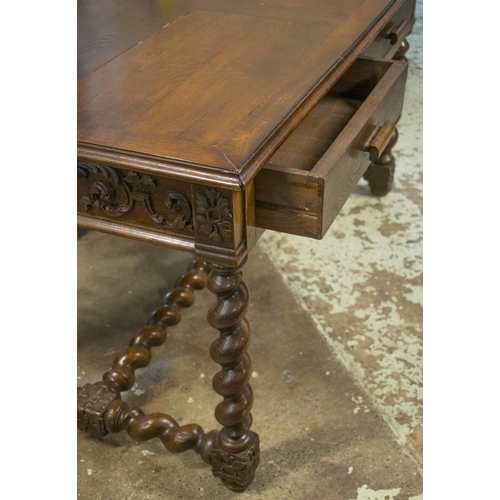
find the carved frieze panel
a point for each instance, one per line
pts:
(103, 190)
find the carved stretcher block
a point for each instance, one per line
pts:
(92, 403)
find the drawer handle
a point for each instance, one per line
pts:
(379, 140)
(396, 31)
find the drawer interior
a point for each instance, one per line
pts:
(307, 143)
(310, 176)
(311, 139)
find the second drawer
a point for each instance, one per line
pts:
(309, 178)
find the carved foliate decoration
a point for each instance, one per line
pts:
(115, 193)
(92, 402)
(233, 450)
(236, 470)
(214, 216)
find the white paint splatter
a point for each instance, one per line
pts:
(365, 493)
(272, 462)
(202, 375)
(89, 472)
(190, 400)
(350, 469)
(255, 374)
(358, 400)
(383, 348)
(147, 452)
(136, 390)
(418, 497)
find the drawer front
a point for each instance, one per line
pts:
(388, 41)
(309, 178)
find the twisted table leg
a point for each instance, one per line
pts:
(100, 409)
(235, 451)
(380, 174)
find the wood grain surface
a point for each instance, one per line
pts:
(309, 178)
(213, 85)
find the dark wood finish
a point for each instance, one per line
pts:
(235, 443)
(379, 140)
(233, 68)
(354, 122)
(233, 451)
(202, 94)
(100, 410)
(380, 174)
(171, 212)
(402, 50)
(144, 200)
(315, 134)
(203, 122)
(387, 42)
(107, 29)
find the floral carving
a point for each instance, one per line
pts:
(236, 470)
(115, 192)
(93, 400)
(214, 217)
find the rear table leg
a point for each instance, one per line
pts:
(380, 174)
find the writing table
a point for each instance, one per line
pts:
(200, 125)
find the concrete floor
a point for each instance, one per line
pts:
(337, 346)
(321, 437)
(362, 284)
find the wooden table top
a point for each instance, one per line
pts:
(207, 90)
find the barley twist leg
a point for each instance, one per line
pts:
(235, 451)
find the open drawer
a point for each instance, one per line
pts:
(309, 178)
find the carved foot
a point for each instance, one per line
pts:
(235, 455)
(236, 470)
(232, 451)
(380, 174)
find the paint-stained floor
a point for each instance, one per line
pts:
(362, 283)
(336, 349)
(321, 436)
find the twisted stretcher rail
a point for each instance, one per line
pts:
(233, 451)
